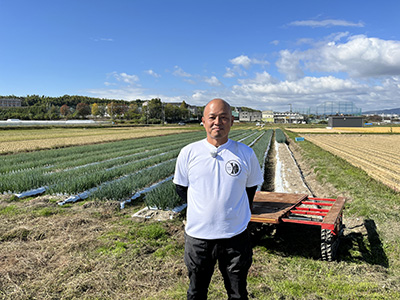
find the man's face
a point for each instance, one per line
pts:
(217, 120)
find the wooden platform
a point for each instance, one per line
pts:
(269, 207)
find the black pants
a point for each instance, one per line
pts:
(234, 257)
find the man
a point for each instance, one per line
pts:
(218, 177)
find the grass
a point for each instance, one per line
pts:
(95, 251)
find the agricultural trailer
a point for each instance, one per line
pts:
(276, 208)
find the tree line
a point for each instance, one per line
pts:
(152, 111)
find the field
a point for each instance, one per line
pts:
(17, 140)
(378, 155)
(109, 171)
(93, 249)
(380, 129)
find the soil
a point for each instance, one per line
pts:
(306, 173)
(288, 176)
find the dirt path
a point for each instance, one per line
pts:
(288, 177)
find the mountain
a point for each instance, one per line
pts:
(383, 111)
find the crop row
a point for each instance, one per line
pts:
(261, 147)
(109, 171)
(370, 153)
(80, 155)
(56, 138)
(61, 176)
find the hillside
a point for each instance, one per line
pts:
(383, 111)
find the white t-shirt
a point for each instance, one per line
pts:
(218, 205)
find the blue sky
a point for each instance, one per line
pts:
(260, 54)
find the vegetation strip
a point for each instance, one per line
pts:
(114, 174)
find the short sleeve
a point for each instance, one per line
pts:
(181, 169)
(255, 176)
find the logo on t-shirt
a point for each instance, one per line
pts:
(233, 168)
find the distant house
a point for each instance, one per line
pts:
(288, 117)
(250, 116)
(267, 116)
(10, 102)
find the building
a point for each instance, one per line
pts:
(267, 116)
(10, 102)
(288, 117)
(345, 121)
(235, 115)
(250, 116)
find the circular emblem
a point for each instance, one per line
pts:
(233, 168)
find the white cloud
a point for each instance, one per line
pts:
(126, 78)
(180, 73)
(125, 93)
(230, 73)
(152, 73)
(213, 81)
(261, 78)
(303, 86)
(103, 40)
(326, 23)
(369, 70)
(289, 64)
(241, 60)
(246, 62)
(359, 56)
(263, 91)
(275, 42)
(191, 81)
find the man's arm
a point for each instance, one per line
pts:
(251, 191)
(182, 192)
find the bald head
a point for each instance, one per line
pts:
(217, 102)
(217, 120)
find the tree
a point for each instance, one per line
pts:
(52, 113)
(172, 113)
(120, 109)
(111, 109)
(183, 105)
(184, 111)
(155, 110)
(95, 109)
(64, 110)
(82, 109)
(133, 112)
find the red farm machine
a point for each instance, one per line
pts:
(275, 208)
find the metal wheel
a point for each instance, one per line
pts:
(330, 242)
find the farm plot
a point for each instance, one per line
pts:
(372, 129)
(378, 155)
(18, 140)
(110, 171)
